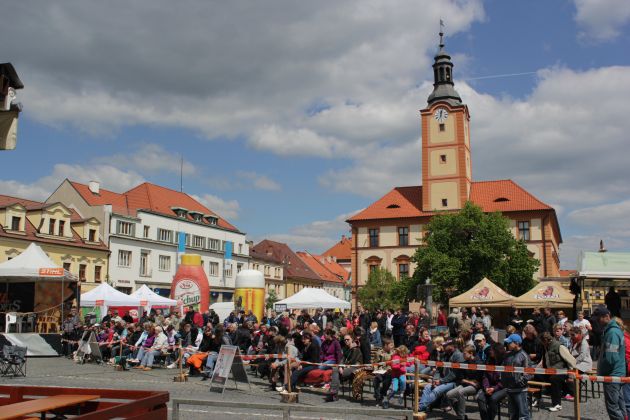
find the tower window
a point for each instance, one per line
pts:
(442, 158)
(445, 202)
(442, 127)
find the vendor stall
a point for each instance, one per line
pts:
(546, 294)
(485, 294)
(311, 298)
(105, 296)
(149, 299)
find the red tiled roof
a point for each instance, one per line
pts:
(502, 196)
(30, 231)
(149, 197)
(334, 267)
(342, 250)
(567, 273)
(318, 267)
(280, 253)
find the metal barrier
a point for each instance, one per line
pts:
(288, 409)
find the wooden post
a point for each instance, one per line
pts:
(119, 365)
(180, 377)
(289, 396)
(416, 392)
(576, 397)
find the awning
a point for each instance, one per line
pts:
(106, 295)
(546, 294)
(149, 298)
(33, 265)
(484, 293)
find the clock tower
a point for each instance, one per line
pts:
(446, 164)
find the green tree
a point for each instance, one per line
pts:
(271, 299)
(464, 247)
(381, 290)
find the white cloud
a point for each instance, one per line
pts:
(110, 177)
(287, 142)
(152, 158)
(228, 209)
(601, 20)
(315, 237)
(259, 181)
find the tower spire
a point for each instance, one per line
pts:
(443, 86)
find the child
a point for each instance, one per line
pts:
(399, 370)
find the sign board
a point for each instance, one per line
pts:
(228, 361)
(99, 303)
(281, 307)
(51, 272)
(187, 291)
(88, 346)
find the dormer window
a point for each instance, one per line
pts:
(180, 212)
(500, 200)
(212, 220)
(15, 223)
(62, 225)
(197, 217)
(51, 226)
(393, 206)
(92, 235)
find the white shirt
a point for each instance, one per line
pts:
(389, 322)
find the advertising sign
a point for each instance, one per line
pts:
(187, 291)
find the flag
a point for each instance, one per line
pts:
(181, 242)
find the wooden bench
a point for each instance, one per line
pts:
(42, 405)
(535, 387)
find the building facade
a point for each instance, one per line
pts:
(71, 241)
(387, 233)
(142, 228)
(272, 270)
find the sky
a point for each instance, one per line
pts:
(292, 116)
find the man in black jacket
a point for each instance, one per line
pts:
(398, 327)
(310, 354)
(516, 383)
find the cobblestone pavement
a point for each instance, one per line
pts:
(64, 372)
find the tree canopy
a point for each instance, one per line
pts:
(381, 291)
(464, 247)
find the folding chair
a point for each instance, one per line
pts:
(15, 359)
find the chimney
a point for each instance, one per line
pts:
(94, 187)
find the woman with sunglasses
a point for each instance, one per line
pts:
(351, 356)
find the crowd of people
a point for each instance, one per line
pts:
(378, 346)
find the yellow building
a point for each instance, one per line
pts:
(71, 241)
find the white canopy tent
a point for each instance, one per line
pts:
(223, 309)
(311, 298)
(149, 298)
(105, 295)
(33, 265)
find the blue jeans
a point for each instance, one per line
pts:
(210, 361)
(615, 404)
(519, 409)
(300, 373)
(399, 383)
(147, 360)
(430, 394)
(625, 388)
(327, 362)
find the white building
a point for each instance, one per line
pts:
(141, 227)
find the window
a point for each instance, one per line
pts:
(62, 225)
(213, 220)
(15, 223)
(97, 273)
(442, 127)
(257, 267)
(92, 235)
(145, 231)
(124, 258)
(51, 226)
(188, 240)
(240, 248)
(124, 228)
(199, 241)
(442, 158)
(228, 271)
(267, 270)
(523, 230)
(213, 269)
(445, 202)
(165, 263)
(82, 268)
(277, 273)
(403, 271)
(373, 268)
(165, 235)
(373, 238)
(144, 264)
(214, 244)
(66, 266)
(403, 236)
(239, 267)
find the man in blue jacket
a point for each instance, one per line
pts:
(612, 362)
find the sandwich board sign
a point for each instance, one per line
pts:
(228, 361)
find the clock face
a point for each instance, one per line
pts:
(440, 115)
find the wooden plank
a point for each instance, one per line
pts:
(24, 408)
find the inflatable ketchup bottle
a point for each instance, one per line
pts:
(190, 285)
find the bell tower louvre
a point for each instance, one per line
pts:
(446, 162)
